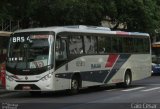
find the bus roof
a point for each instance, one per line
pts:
(82, 29)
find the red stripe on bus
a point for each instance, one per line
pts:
(122, 33)
(111, 60)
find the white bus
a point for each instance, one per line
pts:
(74, 57)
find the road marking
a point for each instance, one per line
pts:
(153, 84)
(151, 89)
(131, 89)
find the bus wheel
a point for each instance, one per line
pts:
(75, 83)
(127, 80)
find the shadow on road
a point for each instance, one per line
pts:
(153, 80)
(89, 90)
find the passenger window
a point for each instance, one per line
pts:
(61, 51)
(90, 43)
(75, 45)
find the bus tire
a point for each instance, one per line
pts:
(75, 84)
(127, 80)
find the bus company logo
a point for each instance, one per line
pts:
(26, 78)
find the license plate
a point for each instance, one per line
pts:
(26, 88)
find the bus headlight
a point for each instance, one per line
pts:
(46, 77)
(9, 78)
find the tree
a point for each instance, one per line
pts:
(137, 15)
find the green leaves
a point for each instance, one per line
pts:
(137, 15)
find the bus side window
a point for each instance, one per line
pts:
(114, 43)
(102, 44)
(61, 52)
(90, 43)
(75, 45)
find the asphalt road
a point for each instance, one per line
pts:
(143, 94)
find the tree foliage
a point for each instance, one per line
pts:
(138, 15)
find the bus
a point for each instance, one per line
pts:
(75, 57)
(156, 58)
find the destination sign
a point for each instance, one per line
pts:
(21, 39)
(29, 38)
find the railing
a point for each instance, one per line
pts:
(9, 25)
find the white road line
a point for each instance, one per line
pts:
(151, 89)
(131, 89)
(153, 84)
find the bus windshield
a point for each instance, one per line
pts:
(28, 51)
